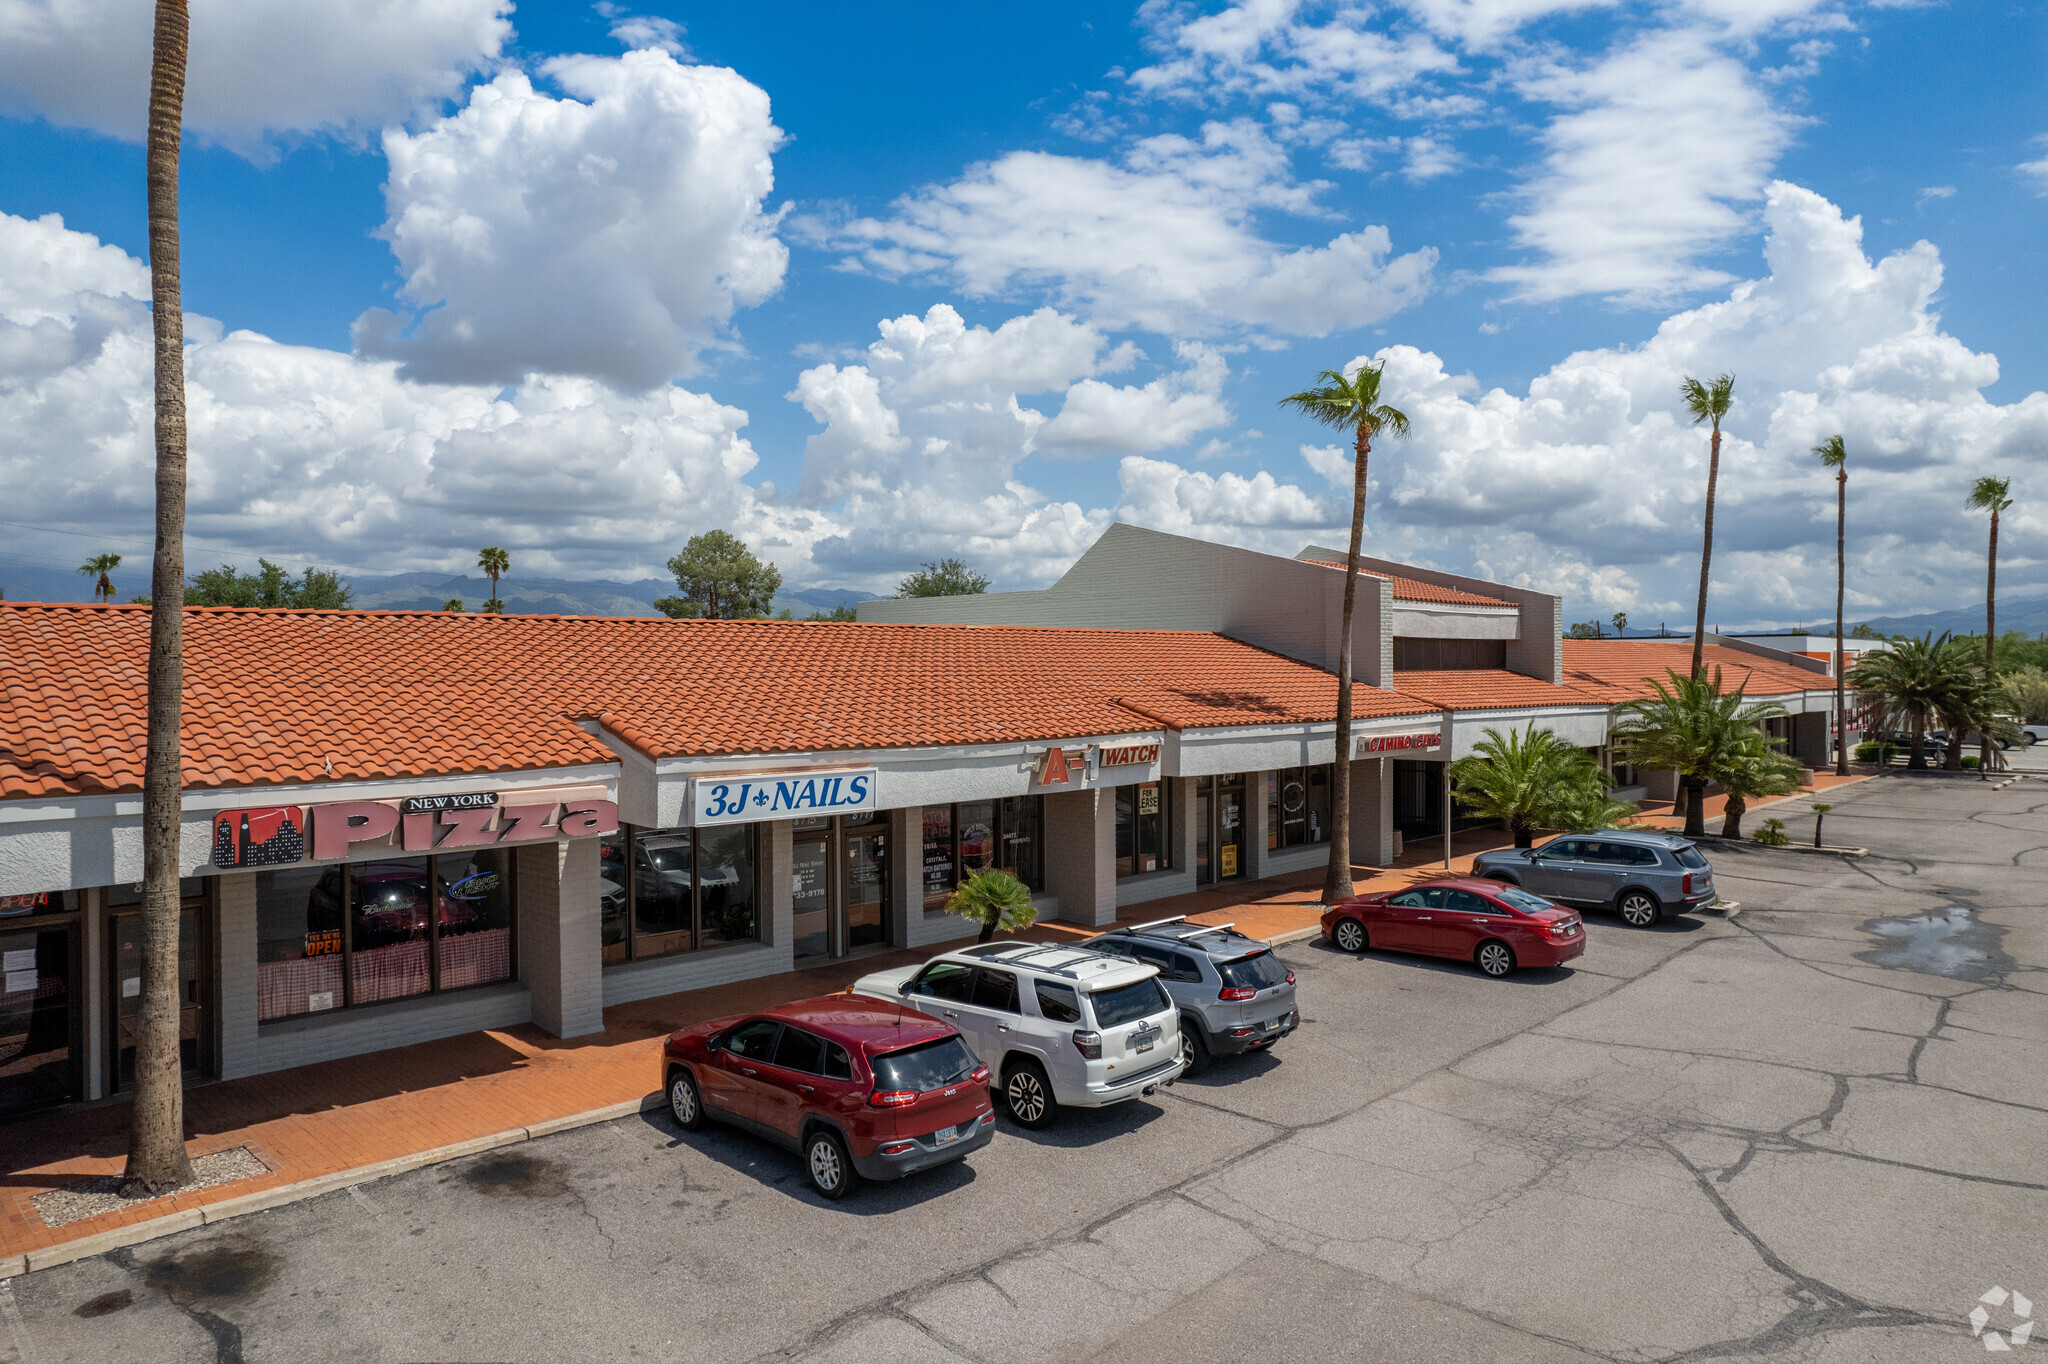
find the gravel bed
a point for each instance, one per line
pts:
(61, 1207)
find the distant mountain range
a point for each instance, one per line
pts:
(2026, 614)
(525, 596)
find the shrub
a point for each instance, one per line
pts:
(1868, 752)
(1970, 760)
(1772, 835)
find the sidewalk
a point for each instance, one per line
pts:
(326, 1126)
(1656, 814)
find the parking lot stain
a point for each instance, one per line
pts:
(104, 1304)
(1952, 942)
(216, 1275)
(517, 1176)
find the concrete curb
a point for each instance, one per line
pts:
(1294, 935)
(206, 1215)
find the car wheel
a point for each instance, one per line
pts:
(1638, 908)
(685, 1104)
(826, 1162)
(1193, 1049)
(1496, 958)
(1028, 1096)
(1350, 936)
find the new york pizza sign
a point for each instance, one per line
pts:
(279, 835)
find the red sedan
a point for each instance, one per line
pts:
(858, 1088)
(1494, 926)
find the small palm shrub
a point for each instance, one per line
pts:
(1772, 835)
(994, 899)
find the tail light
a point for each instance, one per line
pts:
(899, 1148)
(1686, 887)
(1237, 993)
(980, 1076)
(892, 1098)
(1089, 1044)
(1290, 977)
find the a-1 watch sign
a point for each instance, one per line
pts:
(277, 835)
(1127, 755)
(783, 795)
(1059, 766)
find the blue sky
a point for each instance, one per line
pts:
(621, 305)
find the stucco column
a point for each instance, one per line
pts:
(906, 873)
(777, 886)
(1372, 812)
(560, 956)
(234, 911)
(1255, 825)
(1809, 744)
(1080, 854)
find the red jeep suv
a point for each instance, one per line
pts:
(1494, 926)
(858, 1088)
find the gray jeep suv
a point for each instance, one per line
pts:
(1233, 994)
(1641, 874)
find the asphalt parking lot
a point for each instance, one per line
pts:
(1813, 1132)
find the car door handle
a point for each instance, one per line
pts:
(803, 1089)
(745, 1070)
(1422, 918)
(1002, 1027)
(1477, 921)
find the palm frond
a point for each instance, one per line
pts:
(1833, 454)
(1989, 494)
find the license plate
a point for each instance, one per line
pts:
(1272, 1024)
(1146, 1044)
(946, 1134)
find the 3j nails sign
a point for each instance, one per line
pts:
(276, 835)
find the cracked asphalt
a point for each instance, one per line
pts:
(1813, 1132)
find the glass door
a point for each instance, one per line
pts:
(810, 893)
(38, 1049)
(867, 889)
(1229, 831)
(124, 957)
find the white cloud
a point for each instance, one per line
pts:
(1482, 23)
(258, 70)
(1164, 241)
(611, 233)
(1267, 47)
(1596, 465)
(1138, 419)
(641, 30)
(1643, 175)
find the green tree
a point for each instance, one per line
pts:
(1525, 779)
(720, 579)
(1867, 631)
(1707, 403)
(946, 578)
(494, 561)
(1620, 624)
(1834, 455)
(994, 899)
(837, 613)
(452, 604)
(157, 1162)
(318, 590)
(2024, 692)
(1347, 404)
(1752, 769)
(1692, 727)
(1584, 629)
(1909, 683)
(1990, 494)
(98, 567)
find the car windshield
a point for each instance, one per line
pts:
(1521, 899)
(1689, 856)
(1129, 1003)
(1260, 971)
(670, 859)
(925, 1066)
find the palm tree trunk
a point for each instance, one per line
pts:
(1695, 807)
(1841, 573)
(156, 1134)
(1916, 754)
(1699, 629)
(1732, 812)
(1990, 633)
(1337, 880)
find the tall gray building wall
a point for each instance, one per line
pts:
(1538, 648)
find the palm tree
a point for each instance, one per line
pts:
(97, 568)
(1348, 404)
(452, 604)
(1526, 779)
(1989, 494)
(1707, 403)
(1753, 769)
(994, 899)
(1834, 455)
(494, 561)
(1692, 728)
(157, 1161)
(1910, 683)
(1620, 624)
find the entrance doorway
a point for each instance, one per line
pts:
(41, 1024)
(839, 886)
(1219, 829)
(124, 984)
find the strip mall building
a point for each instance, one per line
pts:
(406, 825)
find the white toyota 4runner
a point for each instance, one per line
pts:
(1057, 1024)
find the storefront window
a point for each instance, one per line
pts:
(1141, 829)
(37, 1063)
(686, 889)
(338, 936)
(976, 835)
(1297, 806)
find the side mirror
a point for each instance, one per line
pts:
(904, 988)
(1530, 853)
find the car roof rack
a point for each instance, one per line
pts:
(1070, 970)
(1156, 923)
(1200, 929)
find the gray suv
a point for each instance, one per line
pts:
(1640, 874)
(1233, 994)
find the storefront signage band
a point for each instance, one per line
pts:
(1125, 755)
(1058, 766)
(780, 795)
(1394, 743)
(275, 836)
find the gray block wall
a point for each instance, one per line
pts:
(1080, 866)
(1372, 812)
(1538, 649)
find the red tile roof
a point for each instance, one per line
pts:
(1414, 589)
(1486, 689)
(290, 696)
(1619, 670)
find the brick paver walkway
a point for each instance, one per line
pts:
(325, 1119)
